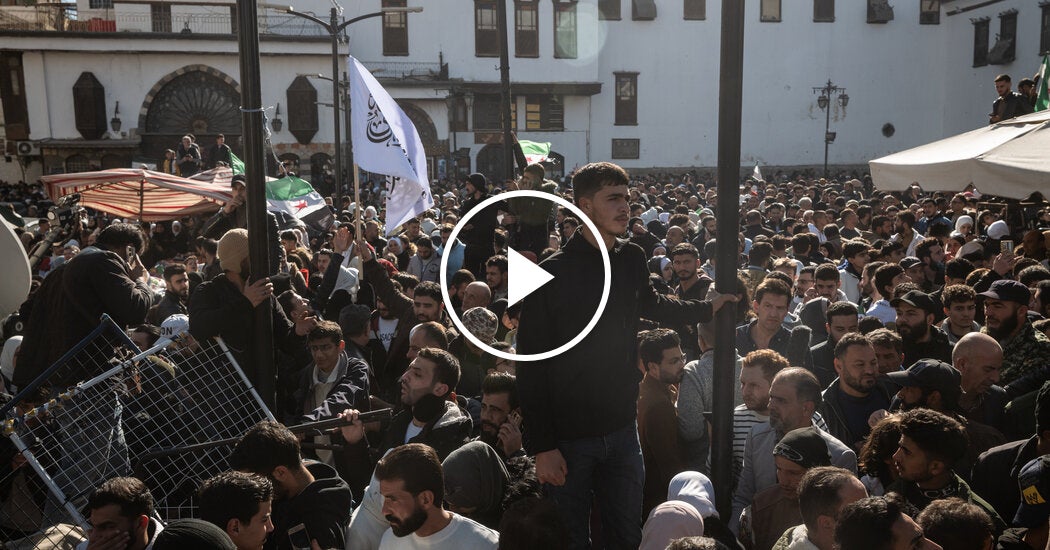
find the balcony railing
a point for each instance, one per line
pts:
(65, 18)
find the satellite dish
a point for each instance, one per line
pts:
(13, 257)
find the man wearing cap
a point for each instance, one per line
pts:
(1026, 351)
(477, 233)
(1032, 520)
(776, 508)
(915, 314)
(913, 268)
(855, 394)
(794, 396)
(225, 305)
(935, 385)
(979, 358)
(931, 444)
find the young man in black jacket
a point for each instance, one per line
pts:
(311, 494)
(580, 406)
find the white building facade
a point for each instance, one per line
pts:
(634, 81)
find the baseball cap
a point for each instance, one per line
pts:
(1008, 290)
(238, 178)
(916, 298)
(1034, 484)
(909, 262)
(804, 447)
(929, 373)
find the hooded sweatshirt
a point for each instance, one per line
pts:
(323, 507)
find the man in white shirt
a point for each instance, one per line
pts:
(412, 485)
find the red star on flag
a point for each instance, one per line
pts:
(300, 205)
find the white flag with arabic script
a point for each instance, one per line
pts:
(386, 142)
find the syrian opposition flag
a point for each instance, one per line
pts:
(236, 164)
(386, 142)
(535, 152)
(297, 198)
(1042, 102)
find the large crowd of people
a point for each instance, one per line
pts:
(892, 361)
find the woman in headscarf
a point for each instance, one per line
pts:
(475, 480)
(964, 225)
(402, 251)
(661, 274)
(695, 489)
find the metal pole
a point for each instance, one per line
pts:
(264, 373)
(730, 108)
(334, 29)
(827, 127)
(504, 81)
(348, 142)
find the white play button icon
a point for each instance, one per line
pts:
(523, 277)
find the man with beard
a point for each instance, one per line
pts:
(841, 320)
(428, 415)
(692, 285)
(794, 396)
(310, 495)
(425, 305)
(426, 264)
(852, 398)
(931, 444)
(501, 415)
(936, 386)
(1026, 351)
(915, 314)
(176, 295)
(412, 484)
(661, 356)
(931, 253)
(120, 512)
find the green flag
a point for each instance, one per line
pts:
(534, 151)
(1043, 100)
(298, 199)
(236, 163)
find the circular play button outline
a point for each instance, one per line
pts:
(606, 283)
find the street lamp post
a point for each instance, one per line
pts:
(824, 102)
(333, 27)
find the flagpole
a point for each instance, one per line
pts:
(357, 202)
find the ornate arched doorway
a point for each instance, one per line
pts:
(197, 100)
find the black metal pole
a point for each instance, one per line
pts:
(263, 372)
(827, 128)
(504, 88)
(348, 143)
(334, 29)
(730, 108)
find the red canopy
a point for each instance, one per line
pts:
(140, 194)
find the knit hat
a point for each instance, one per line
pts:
(998, 230)
(804, 447)
(192, 534)
(481, 323)
(479, 181)
(233, 249)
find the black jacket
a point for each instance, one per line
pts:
(217, 308)
(323, 508)
(69, 305)
(217, 226)
(170, 304)
(444, 434)
(994, 476)
(591, 389)
(824, 362)
(831, 409)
